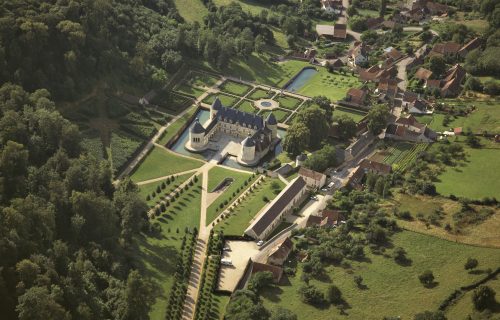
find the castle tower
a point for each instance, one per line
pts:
(215, 107)
(197, 135)
(272, 124)
(248, 149)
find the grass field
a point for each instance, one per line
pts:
(240, 218)
(247, 106)
(226, 100)
(174, 128)
(354, 114)
(215, 176)
(147, 189)
(235, 88)
(483, 234)
(288, 102)
(161, 163)
(331, 85)
(391, 289)
(476, 178)
(191, 10)
(157, 256)
(260, 94)
(252, 6)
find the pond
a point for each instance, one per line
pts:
(301, 79)
(203, 116)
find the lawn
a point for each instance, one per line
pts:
(160, 162)
(280, 115)
(240, 218)
(235, 88)
(200, 79)
(191, 10)
(354, 114)
(252, 6)
(247, 106)
(331, 85)
(476, 178)
(391, 289)
(157, 256)
(174, 127)
(189, 90)
(215, 176)
(226, 100)
(288, 102)
(258, 94)
(148, 189)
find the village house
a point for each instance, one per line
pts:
(453, 81)
(313, 179)
(409, 129)
(276, 271)
(392, 53)
(332, 6)
(283, 205)
(367, 166)
(326, 219)
(388, 87)
(336, 32)
(356, 98)
(423, 74)
(358, 55)
(359, 145)
(374, 23)
(445, 49)
(378, 72)
(279, 253)
(469, 46)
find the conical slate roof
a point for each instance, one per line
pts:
(197, 127)
(248, 142)
(216, 105)
(271, 119)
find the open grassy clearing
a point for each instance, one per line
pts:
(484, 234)
(215, 176)
(226, 100)
(252, 6)
(157, 256)
(476, 178)
(235, 88)
(191, 10)
(354, 114)
(258, 94)
(280, 115)
(160, 162)
(247, 106)
(288, 102)
(240, 218)
(390, 287)
(148, 189)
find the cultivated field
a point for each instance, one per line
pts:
(401, 155)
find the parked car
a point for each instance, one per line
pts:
(226, 249)
(314, 198)
(226, 262)
(260, 243)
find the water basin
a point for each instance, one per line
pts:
(301, 79)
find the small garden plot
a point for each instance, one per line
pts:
(402, 155)
(356, 115)
(160, 162)
(258, 94)
(226, 100)
(123, 147)
(247, 106)
(288, 102)
(280, 115)
(235, 88)
(172, 102)
(92, 143)
(199, 79)
(186, 89)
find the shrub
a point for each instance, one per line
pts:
(471, 264)
(311, 295)
(358, 280)
(426, 278)
(163, 186)
(148, 197)
(483, 298)
(334, 295)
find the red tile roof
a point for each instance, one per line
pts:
(275, 270)
(340, 31)
(304, 172)
(282, 249)
(423, 74)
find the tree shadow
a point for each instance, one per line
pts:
(404, 262)
(431, 285)
(477, 271)
(272, 293)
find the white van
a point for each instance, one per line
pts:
(226, 262)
